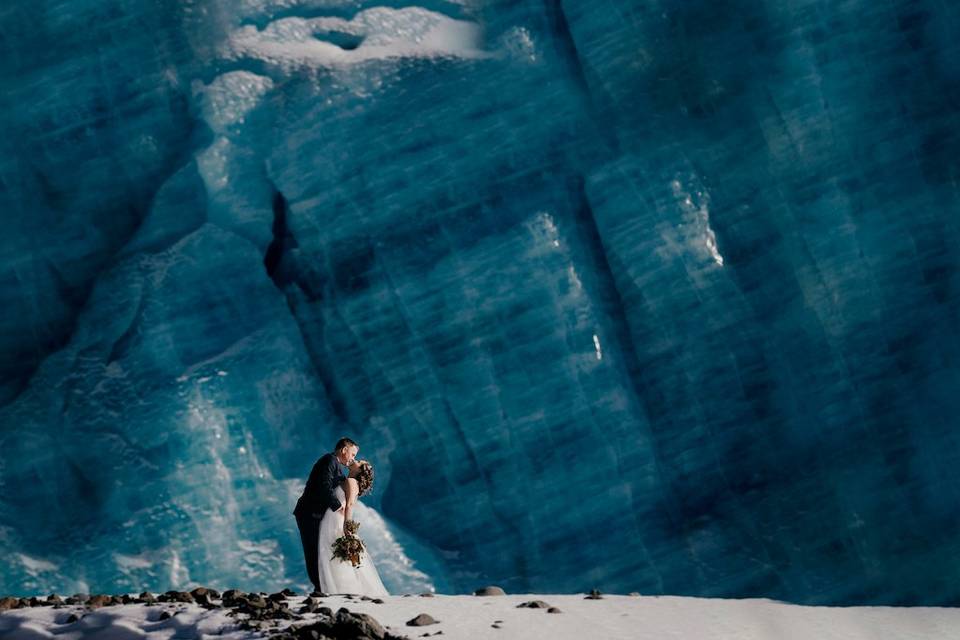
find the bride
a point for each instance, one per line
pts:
(340, 576)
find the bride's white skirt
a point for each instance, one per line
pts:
(338, 576)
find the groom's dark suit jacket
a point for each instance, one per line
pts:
(318, 495)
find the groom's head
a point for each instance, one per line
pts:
(345, 451)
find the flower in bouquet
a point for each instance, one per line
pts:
(349, 547)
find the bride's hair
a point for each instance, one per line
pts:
(364, 477)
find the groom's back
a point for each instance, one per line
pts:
(314, 498)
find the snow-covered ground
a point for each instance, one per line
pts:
(497, 617)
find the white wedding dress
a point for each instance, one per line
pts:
(339, 576)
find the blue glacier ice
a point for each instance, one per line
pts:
(652, 296)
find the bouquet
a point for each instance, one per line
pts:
(349, 547)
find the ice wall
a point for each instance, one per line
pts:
(653, 297)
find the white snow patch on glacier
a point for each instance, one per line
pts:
(381, 32)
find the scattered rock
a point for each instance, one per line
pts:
(310, 605)
(533, 604)
(376, 601)
(255, 601)
(176, 596)
(148, 597)
(99, 600)
(232, 597)
(489, 591)
(357, 625)
(554, 610)
(54, 599)
(317, 594)
(344, 626)
(204, 601)
(594, 595)
(164, 615)
(289, 592)
(634, 593)
(421, 620)
(205, 597)
(426, 594)
(9, 603)
(71, 619)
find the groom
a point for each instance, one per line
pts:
(318, 496)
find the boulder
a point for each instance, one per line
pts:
(421, 620)
(99, 600)
(256, 601)
(360, 625)
(489, 591)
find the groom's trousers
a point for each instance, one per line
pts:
(310, 537)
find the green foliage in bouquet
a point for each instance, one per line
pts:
(349, 547)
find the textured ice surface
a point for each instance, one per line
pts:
(654, 296)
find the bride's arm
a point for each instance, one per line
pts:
(350, 490)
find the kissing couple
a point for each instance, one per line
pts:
(323, 515)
